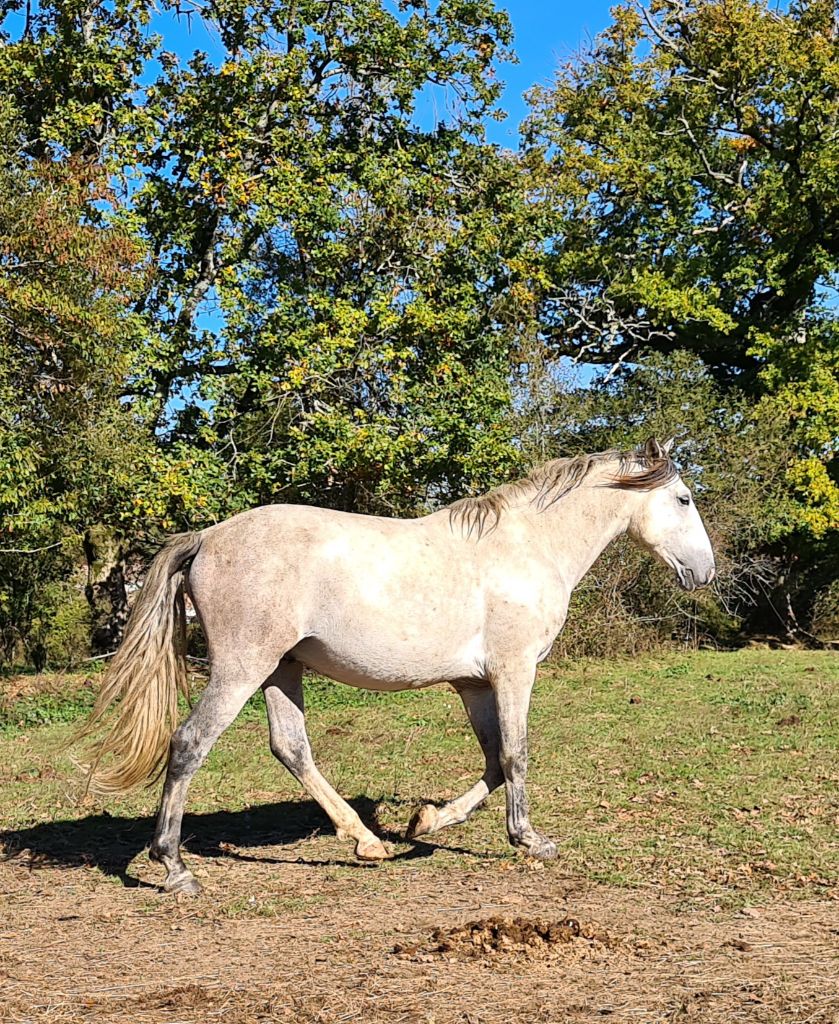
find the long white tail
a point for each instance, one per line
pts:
(136, 709)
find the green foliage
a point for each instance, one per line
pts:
(66, 441)
(358, 261)
(692, 171)
(355, 268)
(61, 626)
(825, 621)
(66, 335)
(288, 290)
(265, 275)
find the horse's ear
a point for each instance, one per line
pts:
(668, 445)
(653, 449)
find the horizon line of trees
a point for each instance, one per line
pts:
(266, 276)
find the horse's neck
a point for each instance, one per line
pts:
(577, 529)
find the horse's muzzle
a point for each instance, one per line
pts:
(691, 579)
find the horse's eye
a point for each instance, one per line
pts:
(684, 499)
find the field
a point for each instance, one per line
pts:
(695, 799)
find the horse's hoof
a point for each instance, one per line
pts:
(542, 849)
(423, 821)
(371, 849)
(182, 885)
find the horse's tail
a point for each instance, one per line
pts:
(137, 704)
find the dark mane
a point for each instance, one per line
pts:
(548, 483)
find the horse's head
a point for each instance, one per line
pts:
(667, 523)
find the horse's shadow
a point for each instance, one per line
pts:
(110, 842)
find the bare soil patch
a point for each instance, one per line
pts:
(297, 933)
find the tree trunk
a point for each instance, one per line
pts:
(105, 589)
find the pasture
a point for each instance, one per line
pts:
(694, 799)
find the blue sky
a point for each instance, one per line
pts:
(546, 34)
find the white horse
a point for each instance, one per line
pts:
(473, 595)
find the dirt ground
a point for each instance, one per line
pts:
(293, 934)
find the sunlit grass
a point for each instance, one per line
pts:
(714, 772)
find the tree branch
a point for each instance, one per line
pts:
(30, 551)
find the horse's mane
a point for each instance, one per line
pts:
(550, 481)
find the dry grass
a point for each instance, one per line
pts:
(83, 951)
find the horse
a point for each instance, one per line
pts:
(473, 594)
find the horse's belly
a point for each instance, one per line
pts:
(384, 668)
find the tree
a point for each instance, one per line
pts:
(333, 307)
(66, 337)
(693, 164)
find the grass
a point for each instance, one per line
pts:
(22, 715)
(717, 773)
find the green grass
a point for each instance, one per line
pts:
(717, 773)
(45, 709)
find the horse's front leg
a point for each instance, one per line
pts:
(513, 684)
(479, 701)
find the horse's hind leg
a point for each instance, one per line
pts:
(290, 745)
(479, 701)
(227, 692)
